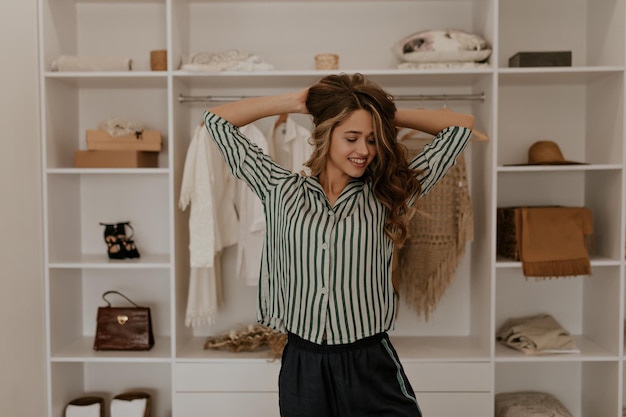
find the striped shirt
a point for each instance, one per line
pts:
(325, 269)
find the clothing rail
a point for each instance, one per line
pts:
(399, 97)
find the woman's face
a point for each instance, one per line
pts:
(352, 146)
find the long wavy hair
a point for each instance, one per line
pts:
(330, 101)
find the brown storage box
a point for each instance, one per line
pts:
(541, 59)
(100, 140)
(506, 239)
(115, 159)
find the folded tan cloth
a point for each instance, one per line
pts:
(536, 334)
(554, 241)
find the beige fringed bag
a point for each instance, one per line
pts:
(438, 233)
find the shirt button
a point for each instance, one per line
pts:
(331, 213)
(324, 290)
(324, 246)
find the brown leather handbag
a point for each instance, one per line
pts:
(123, 328)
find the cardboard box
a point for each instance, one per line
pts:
(115, 159)
(541, 59)
(100, 140)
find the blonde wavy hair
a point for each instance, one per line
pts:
(330, 101)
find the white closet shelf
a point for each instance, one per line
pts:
(589, 351)
(81, 350)
(559, 168)
(595, 261)
(100, 261)
(445, 348)
(107, 171)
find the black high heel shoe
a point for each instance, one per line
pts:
(128, 244)
(115, 249)
(127, 241)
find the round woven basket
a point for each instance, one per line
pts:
(327, 61)
(158, 60)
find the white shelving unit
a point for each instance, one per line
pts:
(453, 361)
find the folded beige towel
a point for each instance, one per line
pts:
(536, 334)
(91, 63)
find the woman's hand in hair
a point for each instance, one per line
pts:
(300, 101)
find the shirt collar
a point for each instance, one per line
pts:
(353, 187)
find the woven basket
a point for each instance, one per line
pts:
(158, 60)
(327, 61)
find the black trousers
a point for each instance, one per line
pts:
(359, 379)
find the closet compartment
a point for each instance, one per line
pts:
(108, 378)
(287, 28)
(579, 110)
(447, 332)
(588, 307)
(587, 388)
(571, 187)
(89, 99)
(593, 30)
(78, 203)
(88, 28)
(75, 295)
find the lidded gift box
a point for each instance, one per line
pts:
(101, 140)
(132, 148)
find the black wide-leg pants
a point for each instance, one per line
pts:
(359, 379)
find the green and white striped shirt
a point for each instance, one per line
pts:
(325, 268)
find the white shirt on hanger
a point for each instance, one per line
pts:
(210, 190)
(251, 219)
(289, 143)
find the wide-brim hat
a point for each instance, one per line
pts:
(547, 152)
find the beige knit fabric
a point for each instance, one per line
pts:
(438, 233)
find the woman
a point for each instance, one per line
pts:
(326, 267)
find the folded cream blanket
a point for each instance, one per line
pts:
(536, 334)
(91, 63)
(229, 60)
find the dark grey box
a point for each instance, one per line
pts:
(541, 59)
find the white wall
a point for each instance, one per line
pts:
(22, 349)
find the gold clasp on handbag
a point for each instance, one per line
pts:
(122, 319)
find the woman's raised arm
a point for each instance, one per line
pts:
(432, 121)
(243, 112)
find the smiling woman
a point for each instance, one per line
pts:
(326, 269)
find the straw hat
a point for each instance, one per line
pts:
(547, 152)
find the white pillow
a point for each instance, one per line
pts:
(442, 46)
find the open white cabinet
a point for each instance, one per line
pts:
(453, 360)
